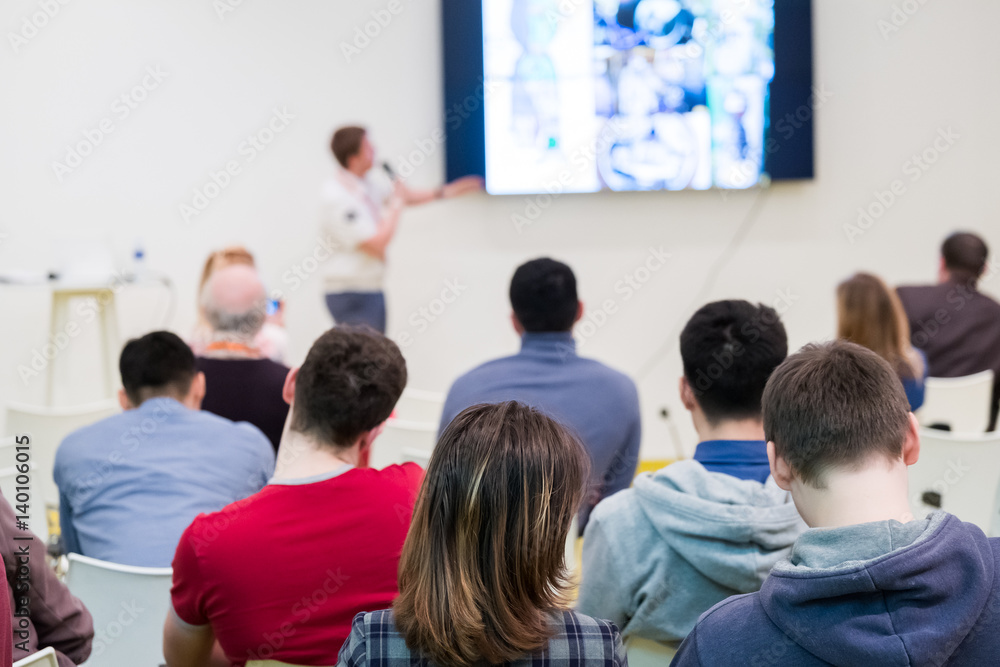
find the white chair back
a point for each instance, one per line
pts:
(647, 653)
(420, 406)
(13, 489)
(402, 438)
(129, 606)
(47, 427)
(961, 403)
(44, 658)
(961, 475)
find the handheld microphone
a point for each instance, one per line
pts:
(389, 170)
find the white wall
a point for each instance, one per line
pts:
(224, 75)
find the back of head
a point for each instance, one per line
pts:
(729, 350)
(835, 406)
(234, 302)
(964, 256)
(543, 296)
(870, 314)
(346, 143)
(348, 384)
(222, 258)
(484, 561)
(158, 364)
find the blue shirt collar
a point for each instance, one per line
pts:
(753, 452)
(161, 404)
(558, 342)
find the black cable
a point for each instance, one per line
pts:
(749, 220)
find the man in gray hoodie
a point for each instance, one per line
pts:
(658, 555)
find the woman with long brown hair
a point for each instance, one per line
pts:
(482, 577)
(870, 314)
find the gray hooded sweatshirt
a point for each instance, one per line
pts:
(658, 555)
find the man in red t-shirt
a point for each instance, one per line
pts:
(281, 574)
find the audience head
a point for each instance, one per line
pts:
(729, 350)
(543, 296)
(352, 149)
(835, 407)
(963, 258)
(484, 561)
(870, 314)
(222, 258)
(346, 388)
(159, 364)
(235, 303)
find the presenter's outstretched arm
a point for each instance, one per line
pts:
(456, 188)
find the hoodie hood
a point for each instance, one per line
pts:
(730, 530)
(914, 603)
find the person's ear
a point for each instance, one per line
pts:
(911, 444)
(687, 395)
(780, 470)
(517, 324)
(579, 312)
(124, 401)
(288, 390)
(196, 394)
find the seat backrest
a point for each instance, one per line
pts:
(401, 436)
(420, 406)
(44, 658)
(962, 403)
(647, 653)
(129, 605)
(10, 479)
(961, 473)
(47, 428)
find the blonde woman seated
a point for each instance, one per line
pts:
(272, 341)
(870, 314)
(482, 577)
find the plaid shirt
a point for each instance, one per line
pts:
(578, 641)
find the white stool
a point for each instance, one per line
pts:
(107, 321)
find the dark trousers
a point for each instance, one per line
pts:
(358, 308)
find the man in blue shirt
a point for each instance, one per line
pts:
(659, 554)
(130, 484)
(600, 405)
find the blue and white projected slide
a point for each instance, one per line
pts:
(585, 95)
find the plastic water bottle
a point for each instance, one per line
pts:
(138, 262)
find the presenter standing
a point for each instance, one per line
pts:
(361, 209)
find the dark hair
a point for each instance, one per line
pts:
(729, 350)
(348, 384)
(543, 296)
(158, 364)
(965, 256)
(834, 405)
(346, 143)
(484, 562)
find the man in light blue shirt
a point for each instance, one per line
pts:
(598, 404)
(130, 484)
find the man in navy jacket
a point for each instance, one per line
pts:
(869, 584)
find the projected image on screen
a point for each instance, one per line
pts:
(640, 95)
